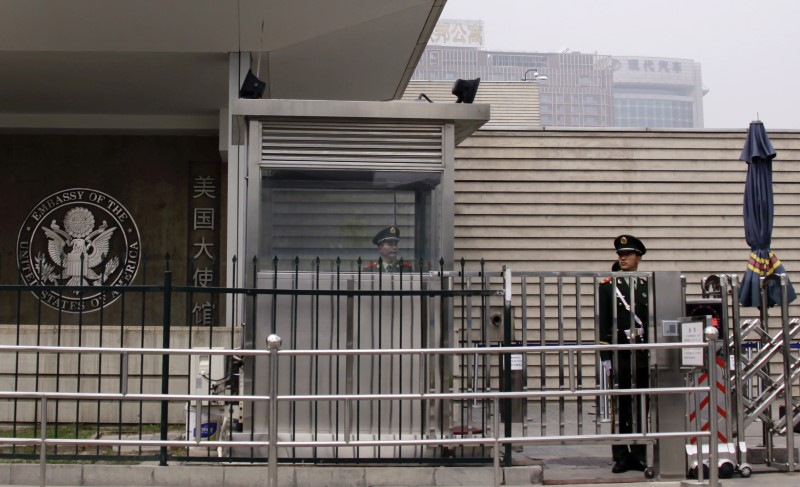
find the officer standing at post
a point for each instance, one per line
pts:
(630, 328)
(388, 240)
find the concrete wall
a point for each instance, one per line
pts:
(514, 103)
(548, 200)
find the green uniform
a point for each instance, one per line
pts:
(386, 267)
(627, 406)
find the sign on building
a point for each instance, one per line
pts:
(458, 33)
(203, 246)
(78, 237)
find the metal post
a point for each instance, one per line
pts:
(524, 308)
(123, 373)
(713, 454)
(349, 365)
(273, 344)
(43, 446)
(162, 456)
(507, 330)
(496, 450)
(198, 407)
(766, 434)
(738, 385)
(788, 359)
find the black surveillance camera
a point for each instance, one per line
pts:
(252, 87)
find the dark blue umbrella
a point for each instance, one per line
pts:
(758, 215)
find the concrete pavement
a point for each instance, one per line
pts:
(593, 471)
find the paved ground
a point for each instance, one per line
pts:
(591, 464)
(592, 470)
(758, 479)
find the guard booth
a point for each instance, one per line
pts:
(322, 178)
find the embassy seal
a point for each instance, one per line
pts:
(80, 238)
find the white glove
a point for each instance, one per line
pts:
(607, 366)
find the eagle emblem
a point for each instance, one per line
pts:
(78, 237)
(78, 252)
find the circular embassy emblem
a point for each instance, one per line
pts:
(78, 237)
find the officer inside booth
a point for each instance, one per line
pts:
(334, 216)
(389, 260)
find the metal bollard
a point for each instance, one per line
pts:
(273, 344)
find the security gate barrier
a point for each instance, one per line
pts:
(761, 356)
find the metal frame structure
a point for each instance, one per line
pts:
(766, 369)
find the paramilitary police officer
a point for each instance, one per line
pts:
(628, 330)
(388, 240)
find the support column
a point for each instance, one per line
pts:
(231, 140)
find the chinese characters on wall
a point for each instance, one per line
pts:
(204, 236)
(644, 65)
(653, 65)
(461, 33)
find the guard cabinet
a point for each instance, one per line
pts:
(322, 178)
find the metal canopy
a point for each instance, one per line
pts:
(150, 58)
(466, 118)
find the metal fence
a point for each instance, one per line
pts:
(415, 367)
(158, 316)
(493, 439)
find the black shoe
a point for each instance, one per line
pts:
(635, 465)
(625, 465)
(619, 467)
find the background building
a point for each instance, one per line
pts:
(657, 92)
(581, 89)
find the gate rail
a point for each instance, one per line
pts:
(496, 441)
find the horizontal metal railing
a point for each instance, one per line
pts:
(496, 441)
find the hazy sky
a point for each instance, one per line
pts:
(749, 50)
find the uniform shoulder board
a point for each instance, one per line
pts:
(606, 280)
(407, 265)
(371, 265)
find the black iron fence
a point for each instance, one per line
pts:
(387, 310)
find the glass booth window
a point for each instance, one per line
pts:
(310, 214)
